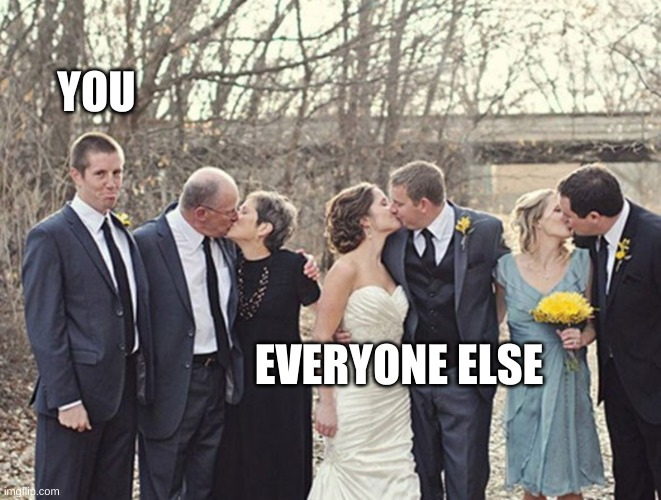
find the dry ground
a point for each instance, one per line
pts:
(17, 424)
(496, 487)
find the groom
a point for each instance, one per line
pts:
(625, 244)
(444, 257)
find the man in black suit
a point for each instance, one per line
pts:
(625, 244)
(87, 320)
(444, 257)
(198, 364)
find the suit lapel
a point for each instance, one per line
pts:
(460, 259)
(619, 268)
(397, 257)
(136, 259)
(139, 272)
(171, 256)
(85, 238)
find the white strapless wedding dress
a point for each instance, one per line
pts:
(371, 456)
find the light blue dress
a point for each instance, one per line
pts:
(552, 443)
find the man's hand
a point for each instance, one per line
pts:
(311, 269)
(75, 418)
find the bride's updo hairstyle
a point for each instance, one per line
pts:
(343, 214)
(528, 210)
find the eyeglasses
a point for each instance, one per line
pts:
(227, 213)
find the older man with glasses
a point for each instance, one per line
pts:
(198, 365)
(190, 267)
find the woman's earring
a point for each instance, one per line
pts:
(368, 232)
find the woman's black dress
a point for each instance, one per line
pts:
(266, 451)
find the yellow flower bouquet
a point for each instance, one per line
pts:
(565, 310)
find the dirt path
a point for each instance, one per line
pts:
(17, 439)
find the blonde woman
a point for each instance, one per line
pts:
(552, 444)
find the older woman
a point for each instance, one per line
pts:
(267, 443)
(552, 444)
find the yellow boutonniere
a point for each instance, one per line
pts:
(124, 219)
(464, 227)
(463, 224)
(622, 253)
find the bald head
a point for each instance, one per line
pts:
(205, 187)
(208, 201)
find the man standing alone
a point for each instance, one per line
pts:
(87, 320)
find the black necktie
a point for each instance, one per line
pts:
(429, 255)
(602, 272)
(122, 287)
(602, 279)
(214, 304)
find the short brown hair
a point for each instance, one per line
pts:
(421, 180)
(92, 142)
(343, 214)
(278, 211)
(592, 188)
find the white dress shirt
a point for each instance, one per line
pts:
(191, 253)
(442, 230)
(93, 221)
(613, 236)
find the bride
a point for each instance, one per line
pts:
(367, 428)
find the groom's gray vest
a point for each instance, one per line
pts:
(433, 291)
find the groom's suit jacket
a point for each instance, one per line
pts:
(74, 318)
(174, 328)
(630, 322)
(475, 260)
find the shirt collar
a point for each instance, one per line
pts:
(614, 234)
(442, 225)
(91, 218)
(190, 234)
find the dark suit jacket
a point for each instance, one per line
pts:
(174, 328)
(632, 322)
(475, 260)
(74, 319)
